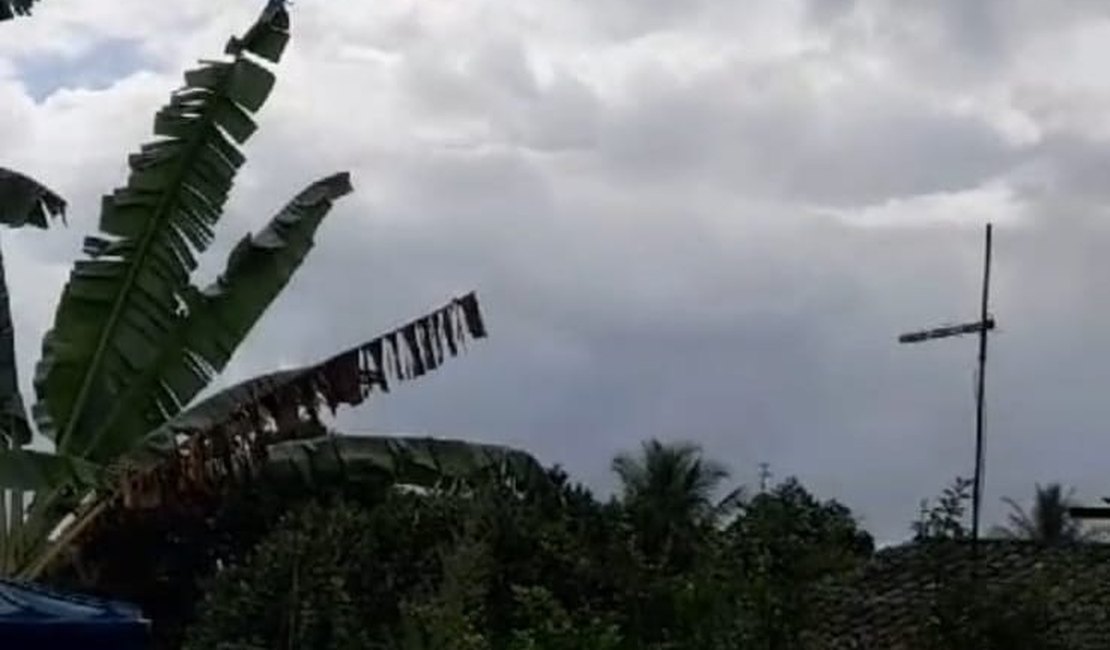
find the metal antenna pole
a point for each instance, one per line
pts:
(981, 327)
(977, 495)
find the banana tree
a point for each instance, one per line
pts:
(134, 340)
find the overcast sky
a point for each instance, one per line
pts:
(705, 219)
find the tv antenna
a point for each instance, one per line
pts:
(982, 327)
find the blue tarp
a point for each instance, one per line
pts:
(37, 618)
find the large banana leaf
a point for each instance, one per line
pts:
(30, 470)
(122, 305)
(219, 318)
(23, 202)
(228, 435)
(421, 462)
(236, 421)
(13, 8)
(285, 397)
(26, 202)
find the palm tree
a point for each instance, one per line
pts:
(669, 489)
(1047, 522)
(134, 341)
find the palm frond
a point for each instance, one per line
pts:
(1048, 521)
(121, 305)
(1003, 532)
(1021, 525)
(671, 477)
(730, 503)
(631, 473)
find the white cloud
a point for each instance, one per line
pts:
(991, 202)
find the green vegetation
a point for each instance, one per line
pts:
(488, 565)
(484, 564)
(971, 603)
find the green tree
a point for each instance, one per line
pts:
(450, 614)
(945, 518)
(547, 566)
(499, 566)
(1048, 522)
(545, 624)
(300, 586)
(785, 541)
(134, 340)
(669, 493)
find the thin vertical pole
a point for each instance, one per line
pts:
(7, 535)
(977, 494)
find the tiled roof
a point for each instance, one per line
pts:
(886, 604)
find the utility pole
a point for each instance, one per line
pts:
(982, 326)
(980, 392)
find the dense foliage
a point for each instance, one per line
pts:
(489, 566)
(965, 611)
(787, 541)
(496, 567)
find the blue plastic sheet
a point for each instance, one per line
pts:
(37, 618)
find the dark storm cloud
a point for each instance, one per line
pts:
(706, 221)
(841, 149)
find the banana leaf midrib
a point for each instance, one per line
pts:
(174, 341)
(174, 345)
(159, 220)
